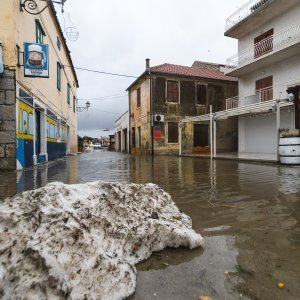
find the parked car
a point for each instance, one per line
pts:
(97, 146)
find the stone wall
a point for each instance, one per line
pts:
(8, 121)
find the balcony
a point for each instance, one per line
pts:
(280, 46)
(244, 12)
(254, 14)
(261, 95)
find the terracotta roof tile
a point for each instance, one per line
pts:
(191, 71)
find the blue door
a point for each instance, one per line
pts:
(37, 133)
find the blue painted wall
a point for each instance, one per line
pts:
(56, 150)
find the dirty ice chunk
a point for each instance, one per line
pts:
(83, 241)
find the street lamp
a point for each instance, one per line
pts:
(31, 6)
(83, 108)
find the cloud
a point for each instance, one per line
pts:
(116, 36)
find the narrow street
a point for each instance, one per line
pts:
(247, 213)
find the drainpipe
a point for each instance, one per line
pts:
(278, 126)
(211, 131)
(215, 136)
(151, 106)
(1, 60)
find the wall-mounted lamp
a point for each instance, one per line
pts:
(83, 108)
(31, 6)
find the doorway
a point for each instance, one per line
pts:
(37, 132)
(201, 140)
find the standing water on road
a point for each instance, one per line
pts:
(248, 214)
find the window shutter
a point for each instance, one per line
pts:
(201, 94)
(172, 91)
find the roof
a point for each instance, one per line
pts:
(64, 42)
(207, 65)
(192, 72)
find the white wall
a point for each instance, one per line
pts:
(121, 124)
(284, 21)
(257, 134)
(285, 73)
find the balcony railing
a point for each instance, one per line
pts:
(244, 12)
(265, 94)
(232, 102)
(279, 41)
(260, 95)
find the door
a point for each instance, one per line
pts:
(201, 140)
(37, 133)
(264, 88)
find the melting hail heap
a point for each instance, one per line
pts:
(83, 241)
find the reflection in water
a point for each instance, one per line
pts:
(247, 213)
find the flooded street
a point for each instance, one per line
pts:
(248, 214)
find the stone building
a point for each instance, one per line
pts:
(165, 94)
(38, 86)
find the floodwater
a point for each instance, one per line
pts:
(248, 214)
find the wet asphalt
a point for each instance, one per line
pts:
(248, 214)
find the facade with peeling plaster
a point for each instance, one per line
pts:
(165, 94)
(38, 118)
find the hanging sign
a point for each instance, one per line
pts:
(36, 60)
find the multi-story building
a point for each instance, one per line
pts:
(122, 133)
(268, 69)
(165, 94)
(38, 86)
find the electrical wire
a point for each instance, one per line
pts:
(101, 72)
(121, 94)
(109, 112)
(103, 99)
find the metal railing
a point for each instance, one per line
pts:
(279, 41)
(245, 11)
(260, 95)
(265, 94)
(232, 102)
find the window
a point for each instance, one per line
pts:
(139, 137)
(138, 97)
(58, 79)
(173, 132)
(68, 93)
(74, 104)
(39, 32)
(264, 88)
(31, 124)
(25, 122)
(172, 91)
(58, 43)
(201, 94)
(263, 44)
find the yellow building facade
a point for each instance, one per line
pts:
(38, 87)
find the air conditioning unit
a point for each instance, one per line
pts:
(158, 118)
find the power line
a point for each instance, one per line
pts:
(101, 72)
(104, 97)
(101, 99)
(109, 112)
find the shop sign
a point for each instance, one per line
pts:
(36, 60)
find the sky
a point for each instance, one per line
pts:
(116, 36)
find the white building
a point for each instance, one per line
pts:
(267, 65)
(122, 133)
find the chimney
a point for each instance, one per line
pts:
(147, 63)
